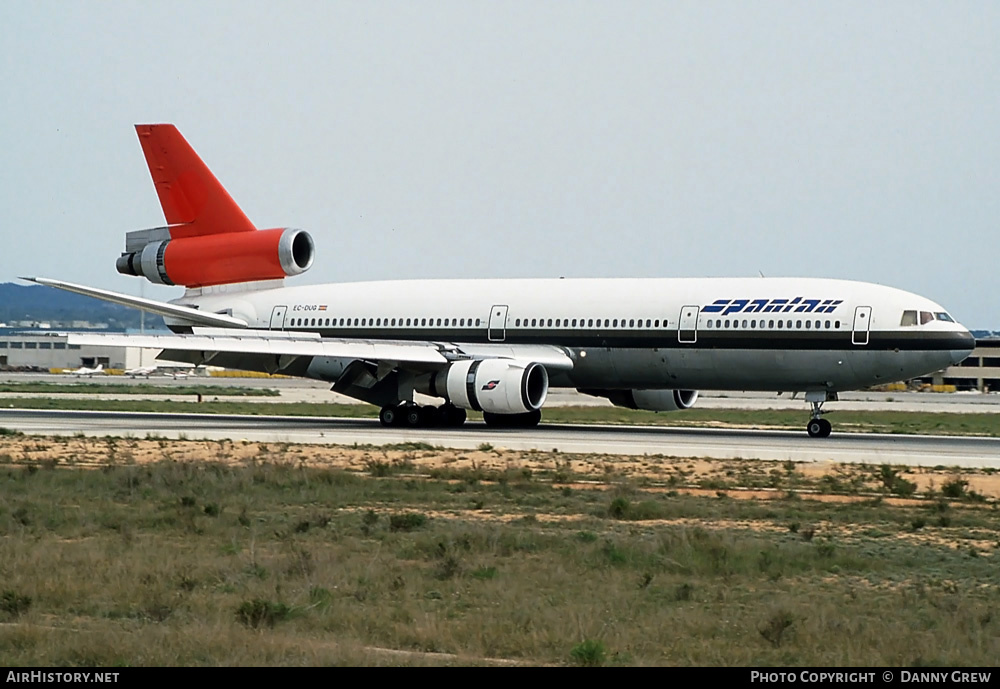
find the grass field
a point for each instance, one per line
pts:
(121, 552)
(137, 389)
(920, 423)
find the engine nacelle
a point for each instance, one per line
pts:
(500, 386)
(218, 259)
(652, 400)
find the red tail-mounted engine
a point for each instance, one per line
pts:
(208, 239)
(216, 259)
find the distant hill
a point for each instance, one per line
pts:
(62, 309)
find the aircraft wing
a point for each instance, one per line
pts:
(284, 344)
(273, 343)
(214, 334)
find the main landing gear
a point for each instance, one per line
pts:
(818, 427)
(527, 420)
(448, 415)
(415, 416)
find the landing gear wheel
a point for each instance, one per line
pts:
(531, 419)
(526, 420)
(819, 428)
(451, 415)
(429, 416)
(815, 428)
(827, 428)
(412, 416)
(390, 416)
(494, 420)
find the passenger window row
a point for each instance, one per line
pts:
(569, 323)
(383, 322)
(772, 324)
(586, 323)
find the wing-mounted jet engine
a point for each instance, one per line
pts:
(649, 400)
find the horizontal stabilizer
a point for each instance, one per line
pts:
(161, 308)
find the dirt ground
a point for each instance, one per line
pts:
(738, 478)
(709, 478)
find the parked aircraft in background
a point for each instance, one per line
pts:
(165, 371)
(497, 346)
(87, 371)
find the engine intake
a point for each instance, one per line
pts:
(218, 259)
(500, 386)
(649, 400)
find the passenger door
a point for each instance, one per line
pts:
(278, 318)
(862, 322)
(498, 324)
(687, 327)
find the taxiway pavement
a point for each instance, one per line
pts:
(796, 446)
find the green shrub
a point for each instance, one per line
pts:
(683, 592)
(449, 566)
(955, 488)
(774, 627)
(589, 653)
(904, 488)
(13, 604)
(379, 469)
(618, 508)
(485, 573)
(257, 613)
(408, 521)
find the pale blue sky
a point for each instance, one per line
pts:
(464, 139)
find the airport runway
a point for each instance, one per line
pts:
(622, 440)
(303, 390)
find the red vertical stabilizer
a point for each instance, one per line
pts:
(191, 197)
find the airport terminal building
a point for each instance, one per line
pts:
(39, 350)
(981, 371)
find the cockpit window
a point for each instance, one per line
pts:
(944, 317)
(926, 317)
(909, 318)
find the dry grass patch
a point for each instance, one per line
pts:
(205, 553)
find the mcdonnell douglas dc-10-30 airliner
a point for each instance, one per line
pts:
(497, 346)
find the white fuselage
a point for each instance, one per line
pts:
(796, 334)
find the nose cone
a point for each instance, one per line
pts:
(961, 346)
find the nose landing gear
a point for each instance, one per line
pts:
(818, 427)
